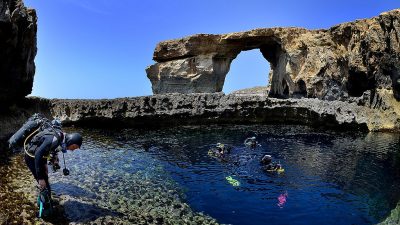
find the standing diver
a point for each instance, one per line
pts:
(41, 147)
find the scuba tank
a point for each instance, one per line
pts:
(35, 122)
(29, 126)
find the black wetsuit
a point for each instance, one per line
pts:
(41, 145)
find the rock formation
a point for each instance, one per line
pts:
(17, 49)
(203, 108)
(343, 61)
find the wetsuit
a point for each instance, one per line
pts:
(41, 145)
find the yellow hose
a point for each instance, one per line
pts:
(26, 151)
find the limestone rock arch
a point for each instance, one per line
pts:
(343, 61)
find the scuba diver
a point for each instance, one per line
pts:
(41, 145)
(270, 166)
(220, 150)
(251, 142)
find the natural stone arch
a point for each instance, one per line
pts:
(344, 61)
(207, 72)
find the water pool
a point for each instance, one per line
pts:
(166, 176)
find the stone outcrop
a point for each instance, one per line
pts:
(178, 109)
(334, 64)
(17, 49)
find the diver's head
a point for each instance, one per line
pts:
(73, 141)
(267, 159)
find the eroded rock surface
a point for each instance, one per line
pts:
(343, 61)
(178, 109)
(17, 49)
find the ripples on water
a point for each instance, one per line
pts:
(147, 175)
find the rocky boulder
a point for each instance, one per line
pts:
(18, 26)
(334, 64)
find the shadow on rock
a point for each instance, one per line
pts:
(79, 212)
(72, 190)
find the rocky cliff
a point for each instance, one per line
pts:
(334, 64)
(17, 50)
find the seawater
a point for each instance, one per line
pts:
(166, 176)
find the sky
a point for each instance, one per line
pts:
(101, 48)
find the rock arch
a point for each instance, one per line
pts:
(326, 64)
(204, 69)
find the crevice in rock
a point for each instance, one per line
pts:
(300, 89)
(357, 83)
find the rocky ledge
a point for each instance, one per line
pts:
(379, 114)
(178, 109)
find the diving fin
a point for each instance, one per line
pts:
(44, 204)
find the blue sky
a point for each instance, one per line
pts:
(100, 49)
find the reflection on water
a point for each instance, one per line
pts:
(166, 177)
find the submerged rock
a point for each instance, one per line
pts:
(393, 218)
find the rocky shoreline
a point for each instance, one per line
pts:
(217, 108)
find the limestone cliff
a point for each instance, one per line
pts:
(334, 64)
(17, 49)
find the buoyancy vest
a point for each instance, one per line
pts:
(40, 137)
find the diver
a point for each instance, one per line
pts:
(43, 144)
(220, 150)
(251, 142)
(41, 147)
(270, 166)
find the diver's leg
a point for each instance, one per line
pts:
(30, 162)
(46, 178)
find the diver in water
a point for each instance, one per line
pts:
(251, 142)
(270, 166)
(220, 150)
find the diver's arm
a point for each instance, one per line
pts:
(40, 152)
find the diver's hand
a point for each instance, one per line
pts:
(42, 184)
